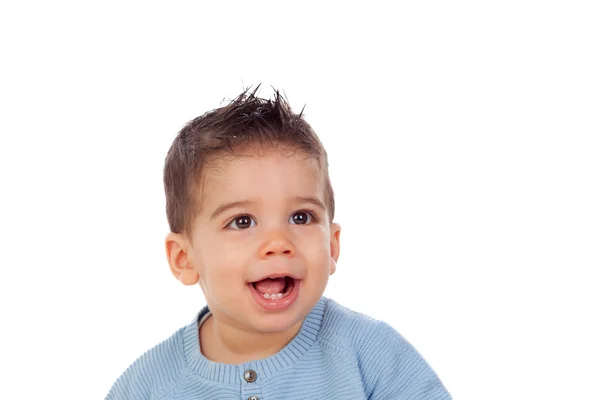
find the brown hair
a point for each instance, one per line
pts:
(245, 122)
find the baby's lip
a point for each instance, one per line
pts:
(277, 275)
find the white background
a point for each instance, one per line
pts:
(464, 151)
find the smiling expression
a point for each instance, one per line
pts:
(261, 215)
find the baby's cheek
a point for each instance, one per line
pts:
(225, 256)
(322, 249)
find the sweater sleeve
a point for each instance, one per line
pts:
(132, 385)
(152, 375)
(393, 369)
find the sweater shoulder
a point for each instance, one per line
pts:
(153, 374)
(352, 329)
(388, 364)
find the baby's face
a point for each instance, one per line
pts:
(263, 216)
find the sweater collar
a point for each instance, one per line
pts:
(266, 367)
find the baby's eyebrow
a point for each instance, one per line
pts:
(312, 200)
(298, 199)
(227, 206)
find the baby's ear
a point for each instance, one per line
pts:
(177, 248)
(334, 244)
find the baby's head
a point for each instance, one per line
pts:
(248, 199)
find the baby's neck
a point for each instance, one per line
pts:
(225, 344)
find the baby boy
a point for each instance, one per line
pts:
(250, 208)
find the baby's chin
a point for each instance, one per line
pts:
(278, 324)
(289, 322)
(253, 317)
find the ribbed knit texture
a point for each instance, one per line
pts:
(337, 354)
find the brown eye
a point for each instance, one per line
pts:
(241, 222)
(301, 218)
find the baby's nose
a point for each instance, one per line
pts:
(277, 245)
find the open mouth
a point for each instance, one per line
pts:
(275, 294)
(274, 288)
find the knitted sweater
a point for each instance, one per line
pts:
(337, 354)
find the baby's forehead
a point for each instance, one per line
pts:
(250, 166)
(278, 177)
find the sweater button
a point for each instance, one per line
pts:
(250, 376)
(253, 398)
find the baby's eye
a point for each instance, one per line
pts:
(302, 218)
(242, 222)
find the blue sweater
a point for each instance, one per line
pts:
(337, 354)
